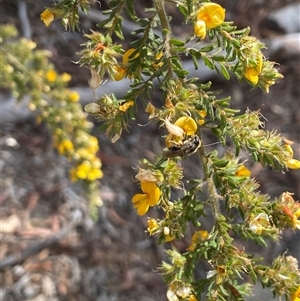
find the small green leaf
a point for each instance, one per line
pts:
(177, 42)
(103, 23)
(195, 61)
(130, 9)
(207, 48)
(218, 58)
(114, 3)
(183, 10)
(224, 71)
(143, 22)
(208, 62)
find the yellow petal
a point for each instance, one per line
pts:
(188, 124)
(243, 171)
(293, 164)
(47, 17)
(252, 72)
(120, 73)
(212, 14)
(252, 75)
(139, 197)
(152, 226)
(127, 54)
(151, 110)
(152, 191)
(202, 113)
(296, 295)
(200, 29)
(169, 238)
(148, 187)
(124, 107)
(289, 150)
(154, 196)
(143, 208)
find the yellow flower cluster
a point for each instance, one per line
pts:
(79, 147)
(210, 15)
(88, 164)
(87, 170)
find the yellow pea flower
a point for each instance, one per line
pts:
(291, 163)
(183, 126)
(120, 73)
(200, 29)
(150, 197)
(127, 61)
(197, 237)
(203, 114)
(188, 124)
(253, 71)
(158, 56)
(242, 171)
(152, 226)
(124, 107)
(127, 54)
(210, 15)
(151, 110)
(47, 17)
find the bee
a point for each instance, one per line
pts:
(188, 147)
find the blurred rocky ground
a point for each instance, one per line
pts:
(50, 247)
